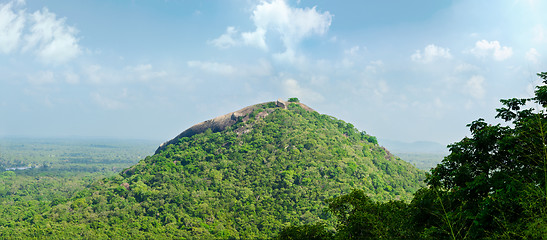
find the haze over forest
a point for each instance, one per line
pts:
(403, 71)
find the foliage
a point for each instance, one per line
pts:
(60, 169)
(359, 217)
(295, 100)
(491, 186)
(316, 231)
(494, 181)
(275, 169)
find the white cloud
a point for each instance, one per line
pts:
(351, 55)
(352, 51)
(293, 89)
(485, 48)
(466, 67)
(538, 34)
(111, 76)
(141, 68)
(475, 86)
(261, 68)
(53, 40)
(532, 3)
(42, 78)
(72, 78)
(431, 53)
(256, 38)
(95, 73)
(374, 66)
(532, 55)
(292, 24)
(320, 80)
(290, 56)
(145, 72)
(213, 67)
(382, 88)
(347, 63)
(226, 40)
(11, 27)
(438, 103)
(107, 102)
(469, 104)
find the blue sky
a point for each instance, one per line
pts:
(400, 70)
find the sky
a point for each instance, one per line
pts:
(400, 70)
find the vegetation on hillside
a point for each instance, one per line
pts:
(491, 186)
(59, 170)
(275, 169)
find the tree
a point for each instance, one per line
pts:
(359, 217)
(316, 231)
(495, 179)
(491, 186)
(295, 100)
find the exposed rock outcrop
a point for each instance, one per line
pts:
(220, 123)
(282, 104)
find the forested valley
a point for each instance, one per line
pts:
(286, 173)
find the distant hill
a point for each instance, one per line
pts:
(243, 175)
(414, 147)
(422, 154)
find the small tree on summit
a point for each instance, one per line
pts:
(295, 100)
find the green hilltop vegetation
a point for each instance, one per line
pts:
(245, 175)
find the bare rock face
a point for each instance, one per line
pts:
(281, 104)
(220, 123)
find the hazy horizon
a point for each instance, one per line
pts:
(399, 70)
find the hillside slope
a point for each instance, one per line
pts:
(272, 165)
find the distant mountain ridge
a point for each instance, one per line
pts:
(422, 154)
(413, 147)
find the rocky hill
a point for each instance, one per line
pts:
(243, 175)
(220, 123)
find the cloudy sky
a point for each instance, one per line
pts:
(399, 70)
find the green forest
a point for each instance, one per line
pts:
(248, 181)
(285, 173)
(492, 185)
(38, 173)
